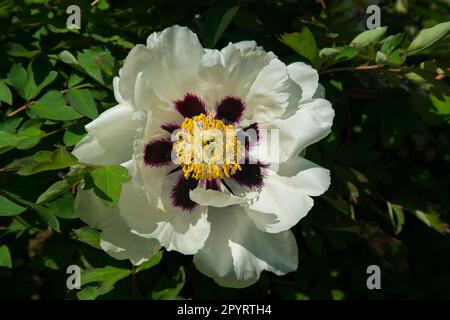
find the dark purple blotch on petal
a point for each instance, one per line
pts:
(212, 184)
(157, 153)
(230, 109)
(170, 127)
(249, 136)
(250, 176)
(190, 106)
(180, 193)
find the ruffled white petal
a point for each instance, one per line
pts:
(175, 228)
(116, 238)
(120, 243)
(306, 77)
(236, 252)
(110, 137)
(268, 96)
(310, 123)
(214, 198)
(169, 64)
(285, 198)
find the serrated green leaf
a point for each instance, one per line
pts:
(5, 257)
(428, 37)
(303, 43)
(83, 102)
(89, 236)
(107, 182)
(5, 94)
(368, 36)
(9, 208)
(51, 106)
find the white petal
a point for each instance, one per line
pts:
(308, 177)
(208, 197)
(110, 137)
(91, 209)
(268, 96)
(306, 77)
(169, 63)
(231, 71)
(175, 229)
(285, 197)
(310, 123)
(236, 252)
(280, 205)
(116, 238)
(120, 243)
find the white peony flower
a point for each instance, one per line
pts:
(233, 217)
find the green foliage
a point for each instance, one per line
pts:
(107, 182)
(388, 153)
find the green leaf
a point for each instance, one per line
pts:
(169, 288)
(153, 261)
(442, 106)
(9, 208)
(105, 277)
(67, 57)
(303, 43)
(55, 190)
(107, 182)
(74, 80)
(397, 216)
(5, 257)
(42, 161)
(61, 207)
(224, 22)
(392, 43)
(368, 36)
(89, 236)
(214, 23)
(48, 217)
(51, 106)
(428, 37)
(17, 76)
(331, 56)
(83, 102)
(32, 89)
(89, 61)
(5, 94)
(24, 139)
(432, 220)
(73, 135)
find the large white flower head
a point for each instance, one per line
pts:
(232, 214)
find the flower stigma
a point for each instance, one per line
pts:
(207, 148)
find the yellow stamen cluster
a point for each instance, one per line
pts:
(207, 148)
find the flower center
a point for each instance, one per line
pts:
(207, 148)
